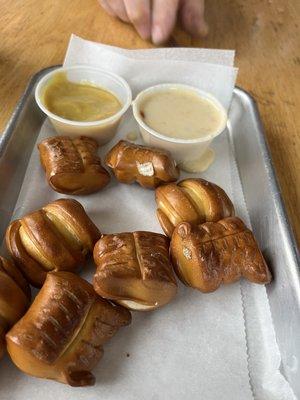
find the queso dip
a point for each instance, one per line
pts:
(180, 113)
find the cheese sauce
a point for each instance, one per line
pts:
(199, 165)
(181, 114)
(81, 102)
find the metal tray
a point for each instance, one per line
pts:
(269, 220)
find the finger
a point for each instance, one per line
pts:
(164, 14)
(119, 9)
(116, 8)
(138, 12)
(104, 4)
(192, 17)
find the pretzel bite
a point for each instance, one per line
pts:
(147, 166)
(134, 269)
(213, 253)
(62, 334)
(191, 200)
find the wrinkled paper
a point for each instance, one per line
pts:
(218, 346)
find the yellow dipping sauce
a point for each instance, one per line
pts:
(82, 102)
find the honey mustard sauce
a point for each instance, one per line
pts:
(78, 101)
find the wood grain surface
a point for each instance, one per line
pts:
(265, 34)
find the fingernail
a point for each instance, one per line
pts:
(201, 28)
(204, 29)
(158, 36)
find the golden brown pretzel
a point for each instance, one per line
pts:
(191, 200)
(134, 270)
(59, 236)
(61, 335)
(207, 255)
(148, 166)
(72, 165)
(14, 298)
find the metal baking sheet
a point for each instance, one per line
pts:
(261, 194)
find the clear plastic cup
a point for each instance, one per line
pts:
(183, 150)
(102, 130)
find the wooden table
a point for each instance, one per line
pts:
(265, 33)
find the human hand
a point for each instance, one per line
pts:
(156, 19)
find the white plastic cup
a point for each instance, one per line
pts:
(183, 150)
(102, 130)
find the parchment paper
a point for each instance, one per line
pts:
(218, 346)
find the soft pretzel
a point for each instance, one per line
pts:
(59, 236)
(61, 335)
(72, 165)
(207, 255)
(134, 270)
(191, 200)
(148, 166)
(14, 298)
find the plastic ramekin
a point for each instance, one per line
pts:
(183, 150)
(102, 130)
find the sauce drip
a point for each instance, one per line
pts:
(132, 136)
(199, 165)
